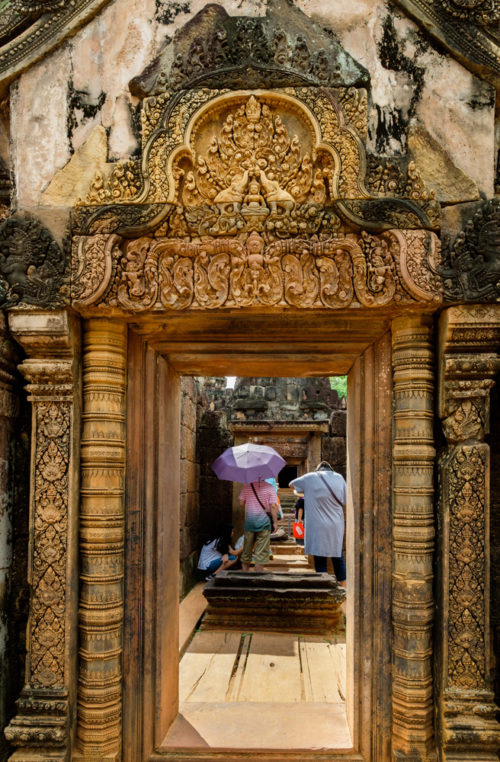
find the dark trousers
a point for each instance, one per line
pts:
(338, 566)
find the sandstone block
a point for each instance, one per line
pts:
(338, 422)
(438, 171)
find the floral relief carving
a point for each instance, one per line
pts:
(164, 273)
(467, 421)
(466, 656)
(49, 558)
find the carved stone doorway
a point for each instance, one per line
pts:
(153, 356)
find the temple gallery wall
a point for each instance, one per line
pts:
(260, 189)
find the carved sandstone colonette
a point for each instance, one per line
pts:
(469, 346)
(52, 369)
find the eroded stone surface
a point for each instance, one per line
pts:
(71, 183)
(452, 186)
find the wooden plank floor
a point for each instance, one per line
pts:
(261, 690)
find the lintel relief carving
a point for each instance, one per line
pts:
(173, 274)
(253, 199)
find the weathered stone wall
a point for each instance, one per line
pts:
(281, 399)
(76, 105)
(189, 502)
(333, 446)
(215, 494)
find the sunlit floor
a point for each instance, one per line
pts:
(261, 690)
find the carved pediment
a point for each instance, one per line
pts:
(468, 29)
(288, 161)
(284, 47)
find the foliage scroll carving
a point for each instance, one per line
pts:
(173, 274)
(469, 339)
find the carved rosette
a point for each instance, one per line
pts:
(413, 537)
(51, 369)
(469, 359)
(102, 540)
(170, 274)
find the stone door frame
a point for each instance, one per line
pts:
(150, 694)
(116, 495)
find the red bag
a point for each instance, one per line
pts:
(298, 530)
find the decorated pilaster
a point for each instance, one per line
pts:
(41, 728)
(469, 346)
(102, 540)
(413, 538)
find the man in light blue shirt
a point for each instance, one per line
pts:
(324, 498)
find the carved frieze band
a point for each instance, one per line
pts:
(51, 371)
(101, 539)
(469, 349)
(164, 274)
(413, 536)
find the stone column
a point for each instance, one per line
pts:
(42, 727)
(9, 408)
(469, 345)
(102, 540)
(413, 538)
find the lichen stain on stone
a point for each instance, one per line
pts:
(135, 123)
(393, 58)
(167, 12)
(484, 96)
(81, 108)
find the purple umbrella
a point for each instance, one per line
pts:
(248, 463)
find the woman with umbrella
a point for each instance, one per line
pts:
(251, 464)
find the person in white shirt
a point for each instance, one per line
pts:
(216, 553)
(324, 499)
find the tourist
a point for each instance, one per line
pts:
(216, 553)
(300, 515)
(260, 501)
(324, 498)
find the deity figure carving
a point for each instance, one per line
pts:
(254, 172)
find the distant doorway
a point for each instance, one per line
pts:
(286, 475)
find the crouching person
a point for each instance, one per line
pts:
(216, 553)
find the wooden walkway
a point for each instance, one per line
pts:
(261, 690)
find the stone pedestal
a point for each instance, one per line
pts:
(308, 603)
(469, 344)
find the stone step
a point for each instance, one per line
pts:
(295, 561)
(287, 502)
(287, 548)
(304, 603)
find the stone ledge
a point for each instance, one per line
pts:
(309, 603)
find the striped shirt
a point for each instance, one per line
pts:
(256, 518)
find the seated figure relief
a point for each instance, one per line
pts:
(253, 172)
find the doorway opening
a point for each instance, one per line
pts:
(155, 369)
(286, 475)
(255, 651)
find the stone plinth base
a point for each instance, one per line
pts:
(309, 603)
